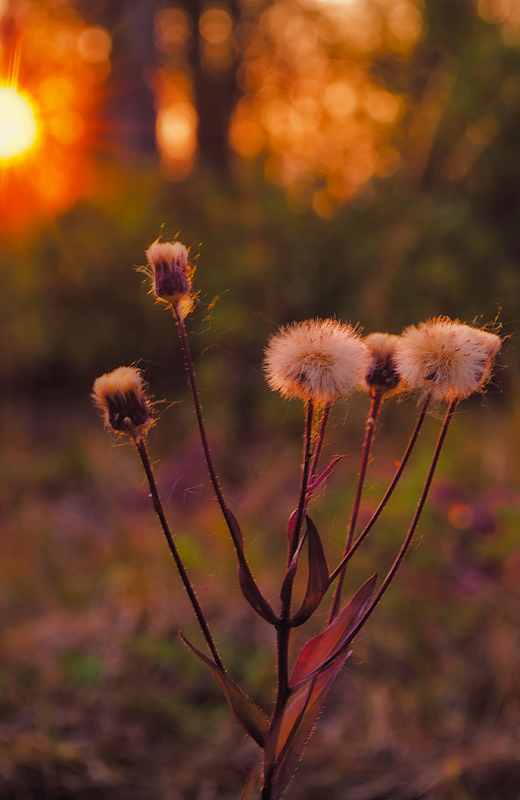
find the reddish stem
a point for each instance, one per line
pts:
(200, 420)
(404, 547)
(307, 442)
(141, 449)
(283, 630)
(231, 523)
(369, 435)
(377, 513)
(321, 438)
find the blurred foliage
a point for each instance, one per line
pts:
(439, 237)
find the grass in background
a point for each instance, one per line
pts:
(98, 698)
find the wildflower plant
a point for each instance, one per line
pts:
(318, 362)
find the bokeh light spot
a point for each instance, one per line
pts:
(94, 45)
(460, 516)
(339, 99)
(382, 106)
(171, 30)
(176, 129)
(215, 25)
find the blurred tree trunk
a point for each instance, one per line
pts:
(216, 92)
(129, 107)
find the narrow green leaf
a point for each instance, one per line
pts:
(246, 713)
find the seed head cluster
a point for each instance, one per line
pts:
(171, 274)
(445, 358)
(119, 394)
(319, 360)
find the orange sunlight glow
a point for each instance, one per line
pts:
(52, 72)
(18, 128)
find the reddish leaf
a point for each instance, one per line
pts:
(249, 785)
(324, 475)
(253, 595)
(327, 645)
(246, 713)
(298, 723)
(318, 581)
(247, 583)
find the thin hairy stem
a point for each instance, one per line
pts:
(377, 513)
(249, 588)
(300, 513)
(143, 452)
(369, 435)
(201, 426)
(282, 629)
(321, 438)
(409, 536)
(313, 469)
(282, 641)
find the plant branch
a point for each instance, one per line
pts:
(321, 438)
(198, 412)
(249, 588)
(377, 513)
(404, 547)
(143, 452)
(307, 443)
(369, 435)
(283, 629)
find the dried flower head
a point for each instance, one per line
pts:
(119, 394)
(382, 374)
(445, 358)
(318, 360)
(171, 274)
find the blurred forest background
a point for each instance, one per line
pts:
(357, 159)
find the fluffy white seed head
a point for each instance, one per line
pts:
(319, 360)
(445, 358)
(382, 374)
(120, 396)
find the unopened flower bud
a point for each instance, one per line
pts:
(171, 274)
(446, 359)
(382, 374)
(119, 394)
